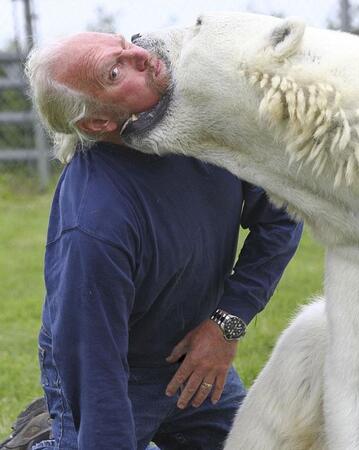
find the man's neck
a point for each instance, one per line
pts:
(113, 138)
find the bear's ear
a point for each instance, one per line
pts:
(285, 38)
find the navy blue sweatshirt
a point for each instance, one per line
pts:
(140, 251)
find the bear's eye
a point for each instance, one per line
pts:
(199, 21)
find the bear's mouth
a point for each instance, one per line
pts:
(142, 123)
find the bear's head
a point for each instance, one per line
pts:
(250, 90)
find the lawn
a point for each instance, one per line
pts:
(24, 212)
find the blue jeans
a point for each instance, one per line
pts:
(156, 416)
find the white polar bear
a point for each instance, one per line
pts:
(277, 104)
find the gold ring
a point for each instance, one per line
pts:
(206, 385)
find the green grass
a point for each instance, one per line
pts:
(23, 213)
(301, 281)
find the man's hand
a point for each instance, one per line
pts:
(204, 369)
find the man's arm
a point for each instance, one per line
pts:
(90, 295)
(271, 243)
(269, 246)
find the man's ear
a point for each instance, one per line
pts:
(286, 38)
(97, 125)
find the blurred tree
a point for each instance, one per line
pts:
(347, 17)
(105, 21)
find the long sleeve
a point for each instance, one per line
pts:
(272, 241)
(90, 294)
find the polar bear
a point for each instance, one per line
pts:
(277, 104)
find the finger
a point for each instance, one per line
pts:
(203, 391)
(179, 378)
(178, 351)
(218, 388)
(190, 390)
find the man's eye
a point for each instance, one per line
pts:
(114, 74)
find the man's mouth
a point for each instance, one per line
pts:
(156, 67)
(144, 122)
(160, 69)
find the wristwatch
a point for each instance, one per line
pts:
(233, 328)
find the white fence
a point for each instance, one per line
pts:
(20, 126)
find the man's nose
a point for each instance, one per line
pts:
(138, 56)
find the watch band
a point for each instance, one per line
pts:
(219, 316)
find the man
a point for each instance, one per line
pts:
(143, 313)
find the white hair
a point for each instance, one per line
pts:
(59, 106)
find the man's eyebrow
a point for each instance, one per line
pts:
(109, 62)
(122, 39)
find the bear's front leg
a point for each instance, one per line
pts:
(283, 409)
(341, 376)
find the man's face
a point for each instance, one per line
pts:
(113, 70)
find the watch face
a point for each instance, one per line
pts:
(233, 328)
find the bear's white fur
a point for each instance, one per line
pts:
(284, 408)
(277, 104)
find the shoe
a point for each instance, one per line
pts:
(32, 425)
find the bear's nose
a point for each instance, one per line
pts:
(135, 37)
